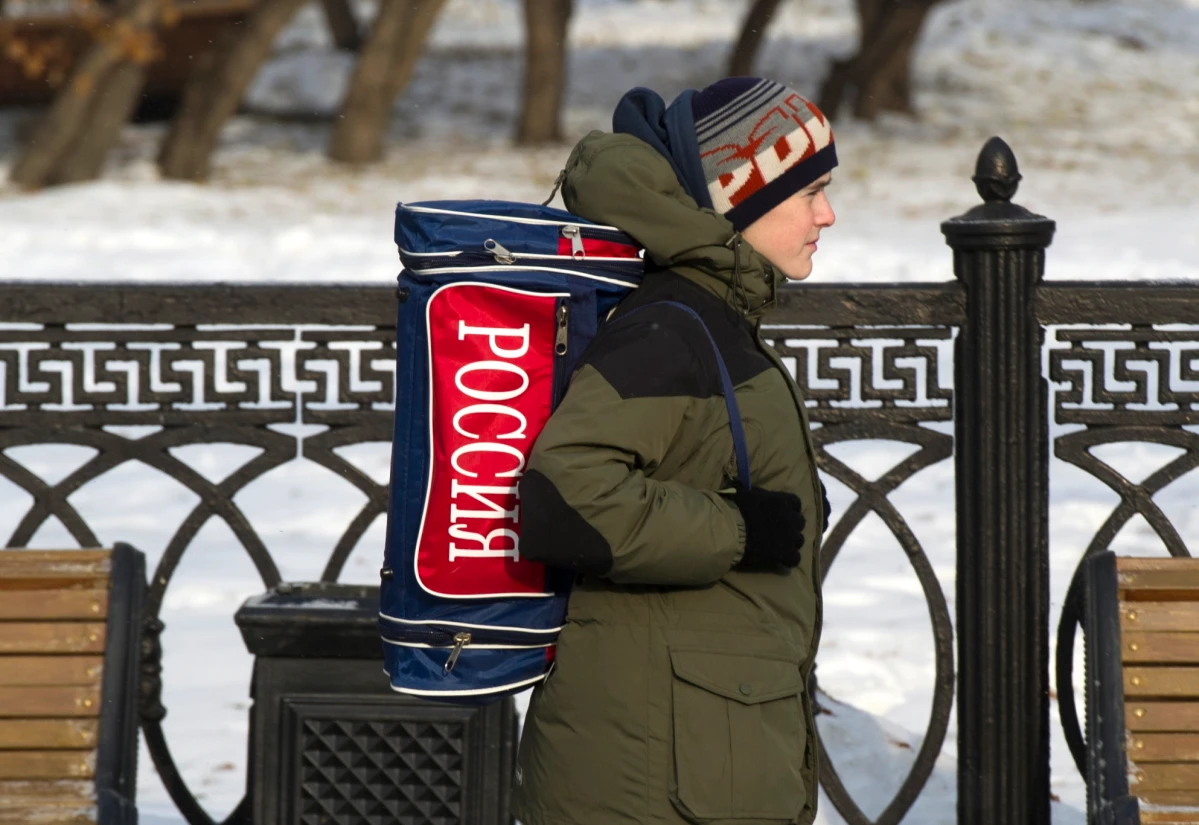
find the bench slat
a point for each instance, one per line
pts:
(1164, 776)
(1170, 583)
(1149, 817)
(47, 764)
(30, 605)
(46, 734)
(1170, 799)
(51, 670)
(55, 564)
(1166, 717)
(1170, 564)
(1150, 617)
(30, 792)
(1161, 648)
(1163, 747)
(45, 814)
(1161, 682)
(25, 702)
(51, 637)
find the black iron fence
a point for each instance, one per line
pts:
(229, 364)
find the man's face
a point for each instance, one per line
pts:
(786, 235)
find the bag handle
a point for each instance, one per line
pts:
(740, 448)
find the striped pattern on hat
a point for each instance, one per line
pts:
(759, 144)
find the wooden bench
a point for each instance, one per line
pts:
(70, 645)
(1141, 619)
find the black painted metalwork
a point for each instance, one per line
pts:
(883, 383)
(116, 749)
(331, 742)
(217, 376)
(1002, 505)
(1123, 385)
(1108, 799)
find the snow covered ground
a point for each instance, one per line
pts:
(1099, 99)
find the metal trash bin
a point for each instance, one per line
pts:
(331, 743)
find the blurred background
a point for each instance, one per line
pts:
(269, 140)
(308, 120)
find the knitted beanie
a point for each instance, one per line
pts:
(759, 143)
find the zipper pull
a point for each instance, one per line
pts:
(563, 329)
(461, 640)
(576, 240)
(501, 254)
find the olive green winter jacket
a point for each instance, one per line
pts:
(679, 690)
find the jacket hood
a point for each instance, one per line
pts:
(619, 180)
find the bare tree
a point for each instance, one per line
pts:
(745, 52)
(546, 27)
(384, 68)
(878, 77)
(71, 141)
(217, 86)
(342, 24)
(115, 101)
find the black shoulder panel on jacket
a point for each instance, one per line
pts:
(552, 532)
(662, 351)
(655, 354)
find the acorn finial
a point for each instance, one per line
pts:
(996, 176)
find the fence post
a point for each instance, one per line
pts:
(1002, 464)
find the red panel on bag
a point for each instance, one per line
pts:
(600, 249)
(492, 358)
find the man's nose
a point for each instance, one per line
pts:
(827, 216)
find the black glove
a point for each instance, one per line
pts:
(828, 510)
(774, 527)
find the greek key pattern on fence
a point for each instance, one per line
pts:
(1126, 376)
(849, 372)
(130, 375)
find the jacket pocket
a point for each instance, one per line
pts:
(739, 736)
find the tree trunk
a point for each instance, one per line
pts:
(383, 70)
(216, 87)
(68, 127)
(112, 108)
(546, 25)
(342, 24)
(753, 32)
(879, 75)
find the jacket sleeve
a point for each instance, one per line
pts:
(587, 502)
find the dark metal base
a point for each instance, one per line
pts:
(116, 755)
(331, 743)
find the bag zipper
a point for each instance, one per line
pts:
(594, 227)
(561, 348)
(576, 233)
(443, 632)
(458, 640)
(563, 333)
(493, 250)
(466, 270)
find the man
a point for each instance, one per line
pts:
(679, 689)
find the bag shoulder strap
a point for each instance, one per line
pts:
(740, 448)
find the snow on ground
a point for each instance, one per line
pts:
(1099, 99)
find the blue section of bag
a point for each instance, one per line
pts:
(466, 226)
(476, 650)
